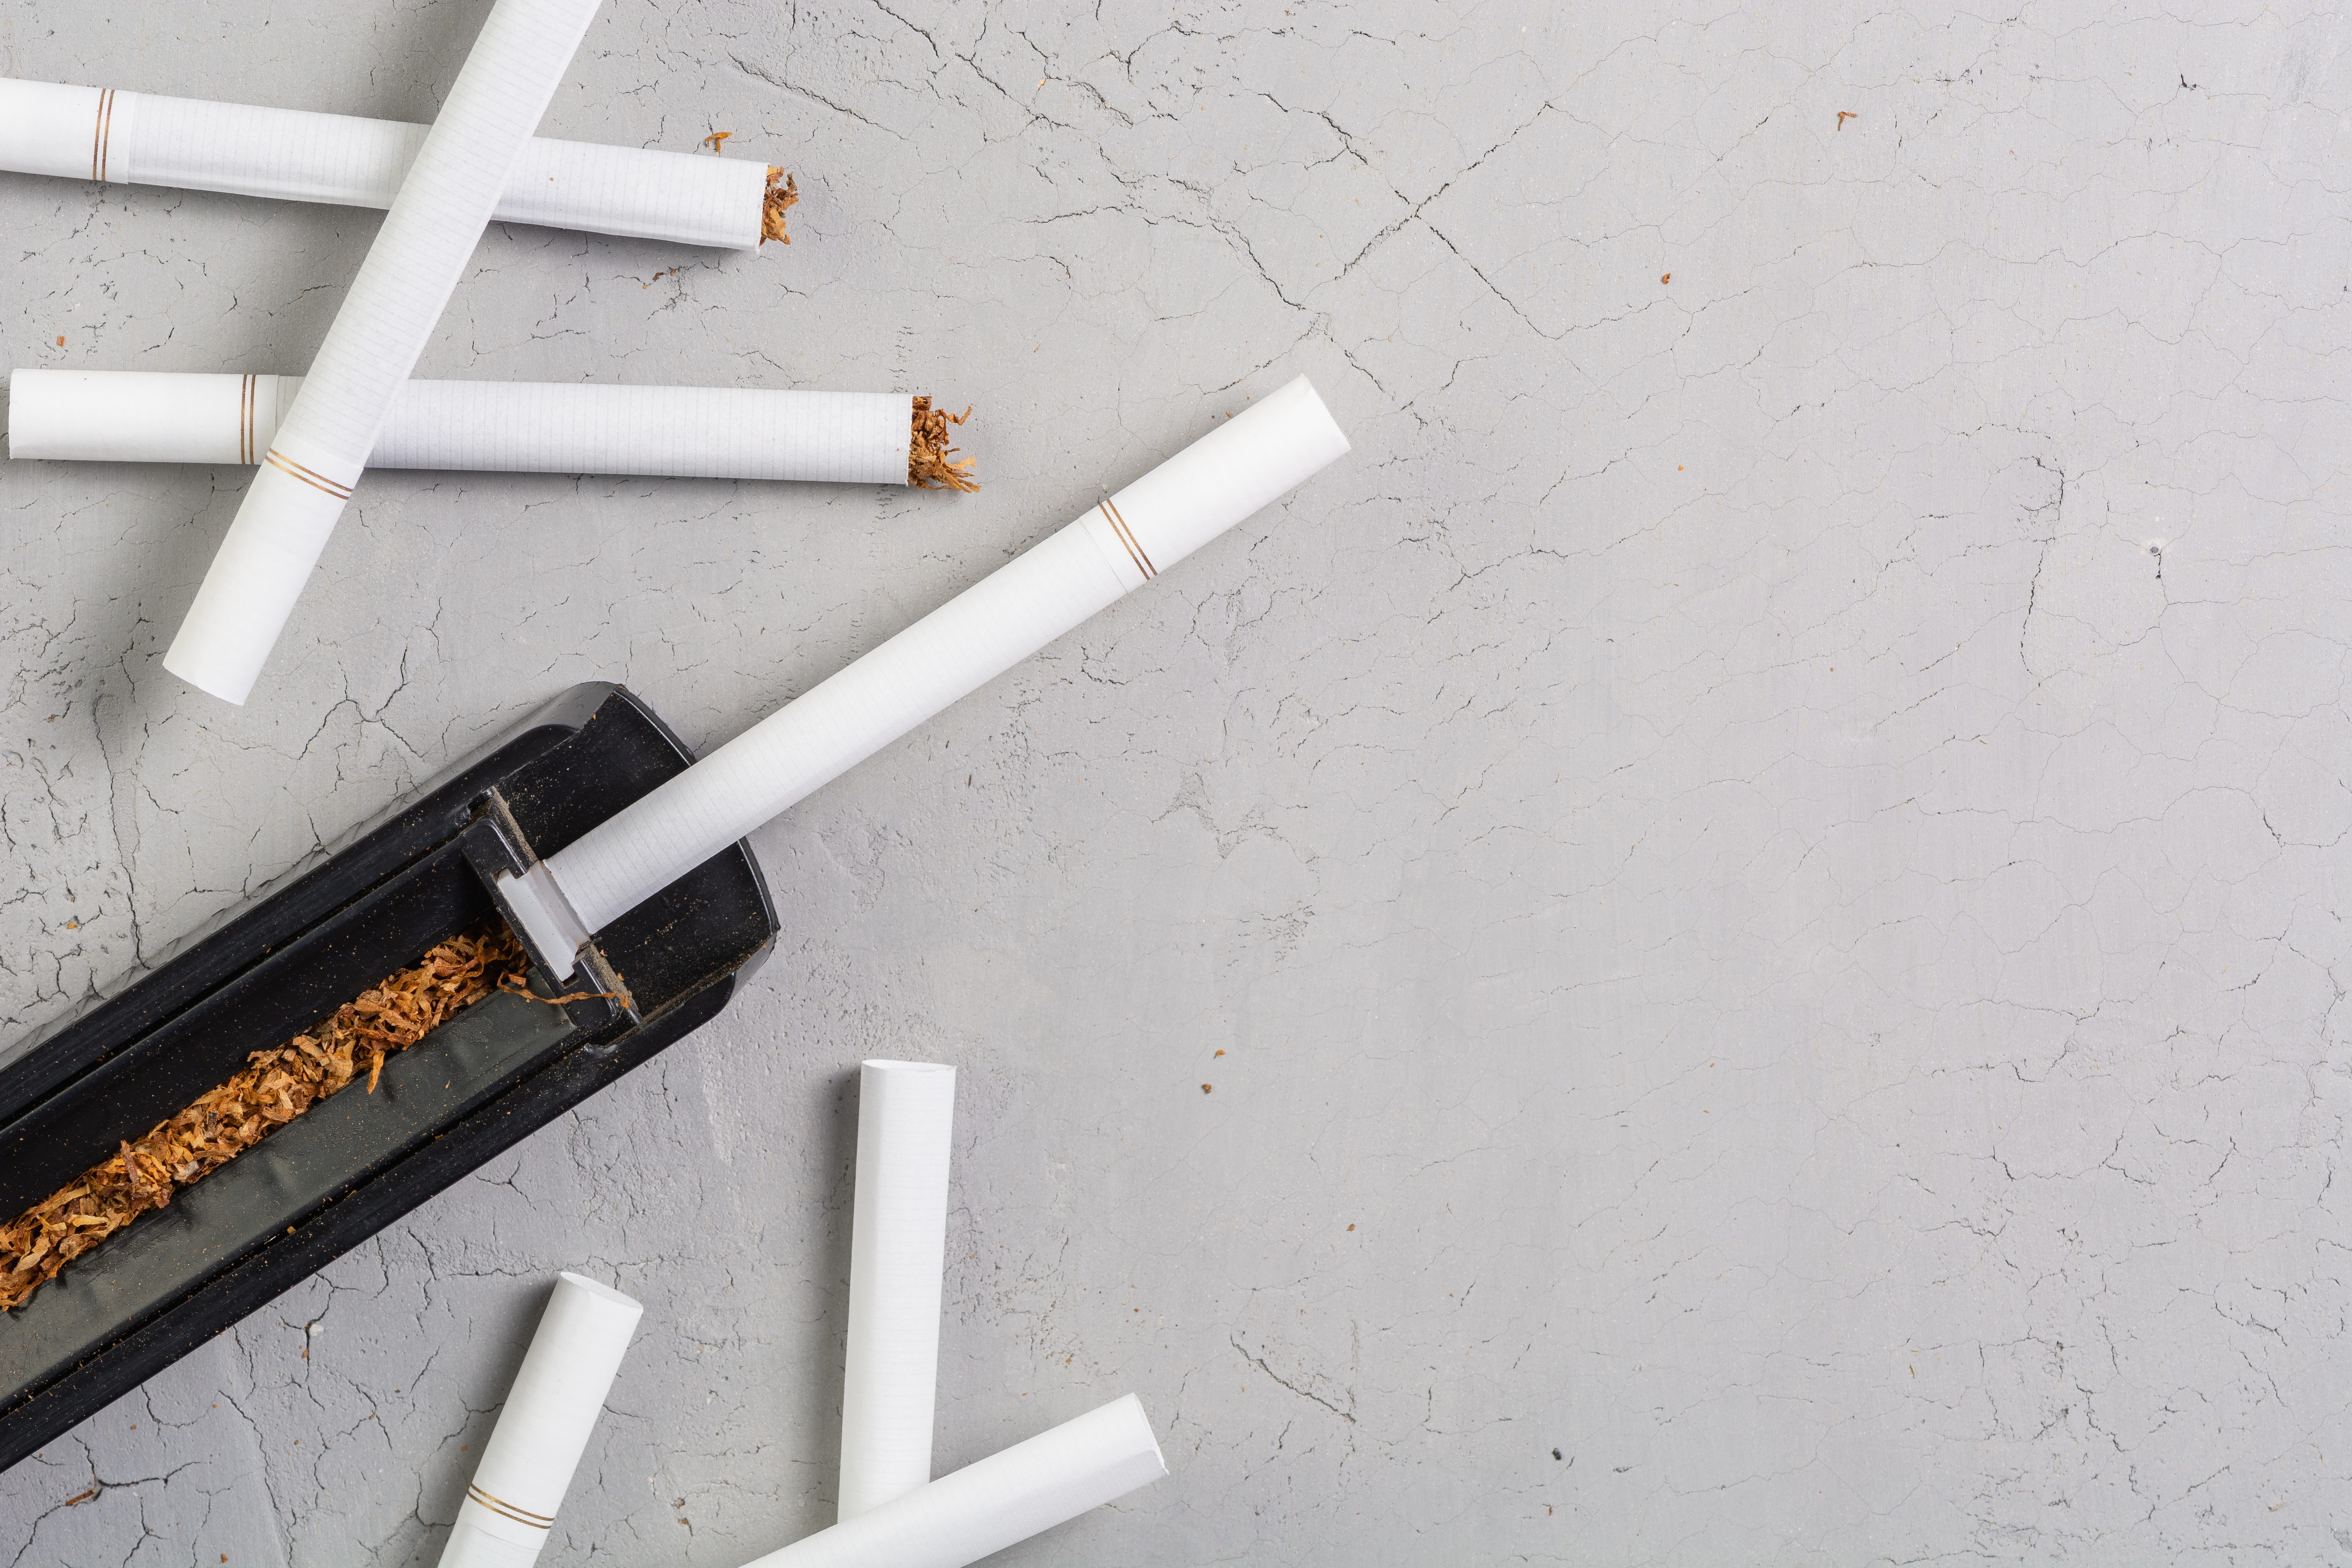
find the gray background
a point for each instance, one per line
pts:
(1764, 859)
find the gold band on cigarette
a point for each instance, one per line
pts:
(509, 1510)
(98, 135)
(279, 460)
(1127, 537)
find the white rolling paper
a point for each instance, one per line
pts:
(306, 476)
(543, 1429)
(144, 138)
(1116, 547)
(986, 1507)
(897, 1245)
(547, 427)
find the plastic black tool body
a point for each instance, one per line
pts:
(476, 1087)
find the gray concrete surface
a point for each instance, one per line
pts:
(1758, 877)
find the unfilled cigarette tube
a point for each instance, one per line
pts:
(1119, 545)
(548, 427)
(306, 476)
(897, 1246)
(543, 1431)
(986, 1507)
(144, 138)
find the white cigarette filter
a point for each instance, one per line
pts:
(897, 1246)
(983, 1508)
(548, 427)
(1116, 547)
(306, 475)
(143, 139)
(527, 1462)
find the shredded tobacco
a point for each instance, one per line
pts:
(280, 1085)
(781, 193)
(929, 466)
(516, 983)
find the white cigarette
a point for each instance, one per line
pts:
(897, 1245)
(549, 1411)
(288, 155)
(1114, 549)
(986, 1507)
(307, 473)
(549, 427)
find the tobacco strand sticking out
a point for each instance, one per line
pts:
(929, 466)
(515, 982)
(781, 193)
(280, 1085)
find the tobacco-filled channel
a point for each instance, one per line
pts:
(278, 1085)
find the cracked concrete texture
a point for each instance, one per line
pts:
(1763, 858)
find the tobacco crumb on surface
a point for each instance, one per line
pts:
(929, 465)
(715, 138)
(1205, 1089)
(781, 193)
(279, 1085)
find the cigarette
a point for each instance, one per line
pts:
(343, 160)
(307, 473)
(897, 1246)
(548, 427)
(528, 1464)
(983, 1508)
(1113, 548)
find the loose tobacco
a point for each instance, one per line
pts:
(781, 193)
(279, 1085)
(929, 466)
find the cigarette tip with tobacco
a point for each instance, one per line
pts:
(929, 465)
(781, 193)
